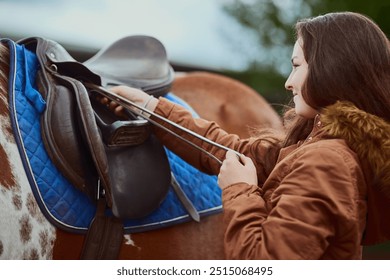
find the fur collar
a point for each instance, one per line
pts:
(366, 134)
(369, 136)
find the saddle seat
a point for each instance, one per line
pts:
(149, 71)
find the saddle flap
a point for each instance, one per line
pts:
(140, 180)
(60, 130)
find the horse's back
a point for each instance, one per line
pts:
(233, 105)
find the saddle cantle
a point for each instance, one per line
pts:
(88, 145)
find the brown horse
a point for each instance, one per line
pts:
(25, 233)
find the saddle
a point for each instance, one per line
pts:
(98, 153)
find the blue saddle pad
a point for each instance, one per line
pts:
(63, 204)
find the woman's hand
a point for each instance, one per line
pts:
(137, 96)
(234, 170)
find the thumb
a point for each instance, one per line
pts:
(246, 160)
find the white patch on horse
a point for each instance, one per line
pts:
(24, 234)
(129, 241)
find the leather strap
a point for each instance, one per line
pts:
(91, 133)
(185, 201)
(104, 237)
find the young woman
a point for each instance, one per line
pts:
(320, 190)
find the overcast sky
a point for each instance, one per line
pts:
(195, 32)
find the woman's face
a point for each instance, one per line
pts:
(296, 80)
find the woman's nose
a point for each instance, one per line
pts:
(288, 85)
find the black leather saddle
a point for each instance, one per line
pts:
(98, 153)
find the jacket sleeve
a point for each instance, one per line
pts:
(297, 219)
(261, 151)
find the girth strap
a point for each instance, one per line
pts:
(104, 237)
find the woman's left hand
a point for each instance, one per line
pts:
(234, 170)
(135, 95)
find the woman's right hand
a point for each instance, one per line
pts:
(135, 95)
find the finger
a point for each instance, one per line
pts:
(117, 89)
(112, 105)
(246, 160)
(230, 154)
(243, 159)
(101, 99)
(119, 110)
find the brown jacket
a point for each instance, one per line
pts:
(324, 197)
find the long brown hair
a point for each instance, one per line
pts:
(348, 58)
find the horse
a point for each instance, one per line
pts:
(25, 232)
